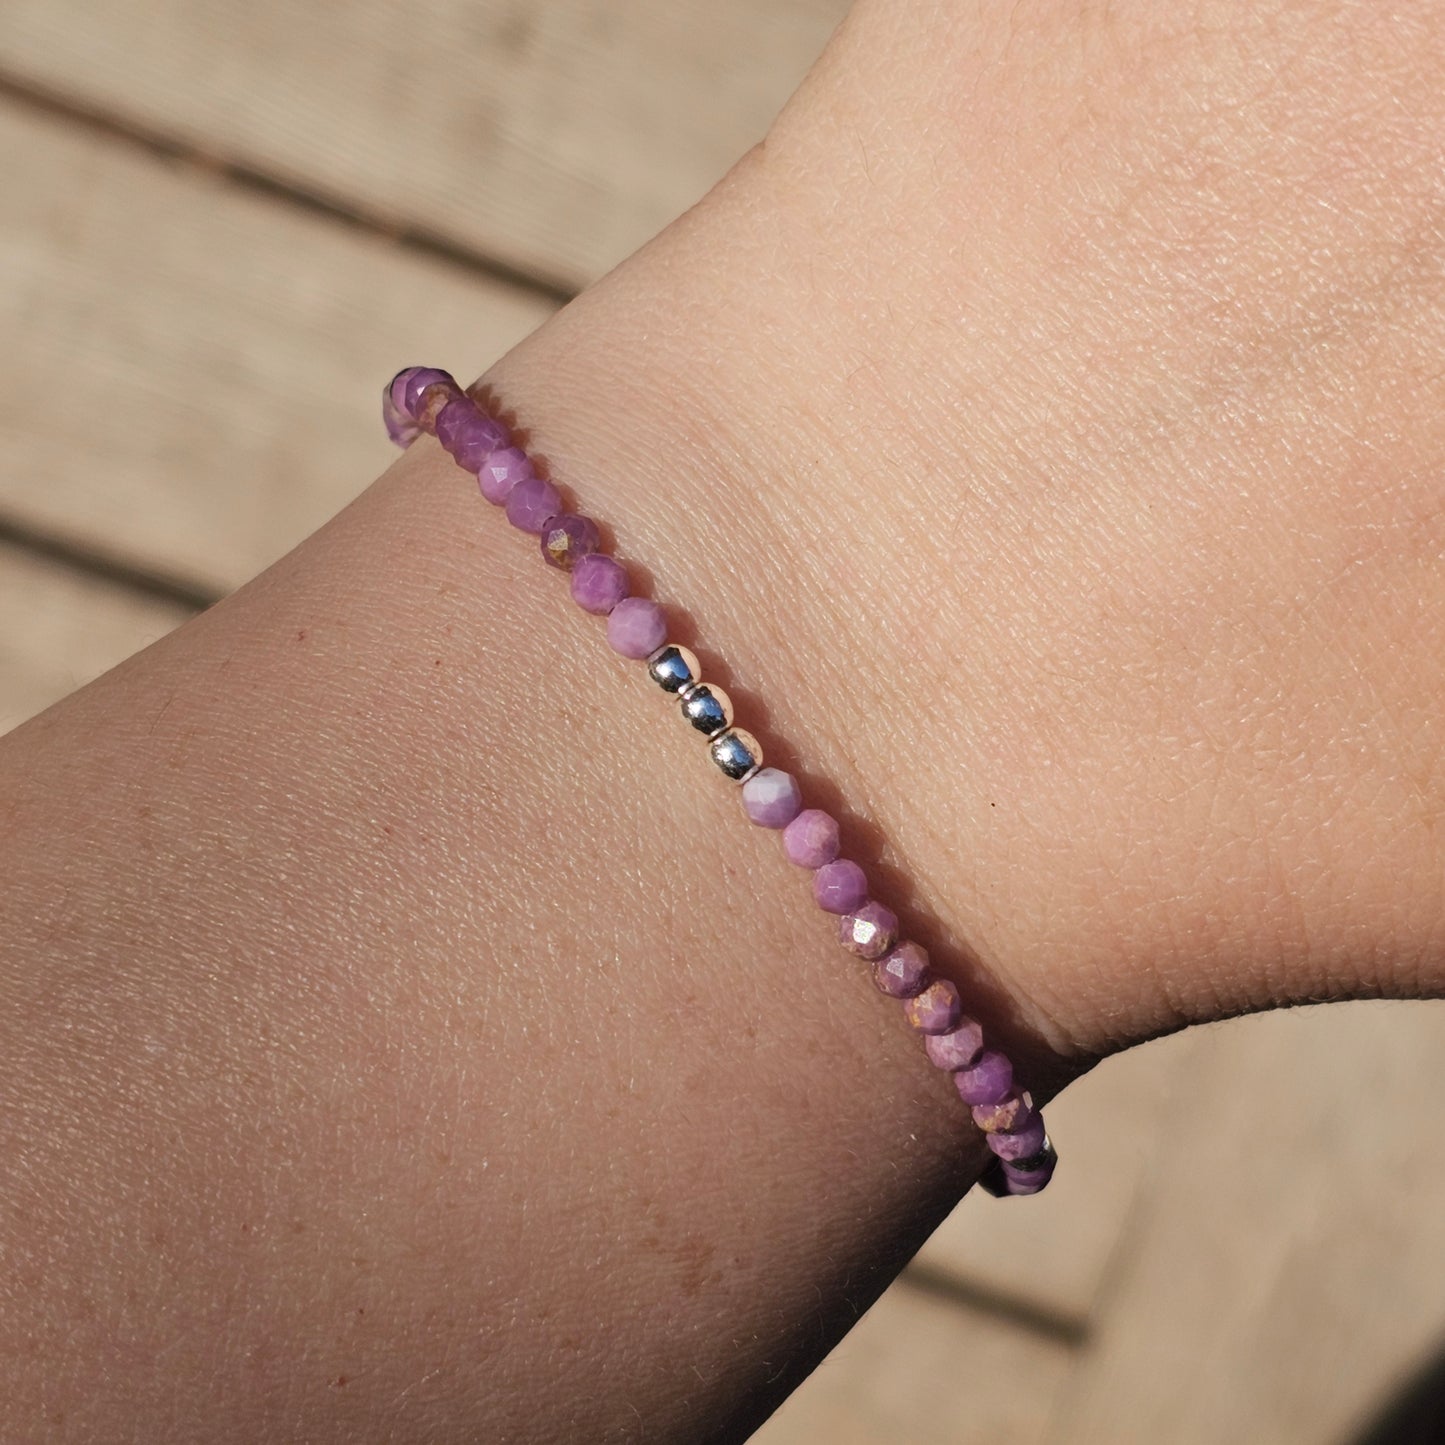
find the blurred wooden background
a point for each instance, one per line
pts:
(223, 224)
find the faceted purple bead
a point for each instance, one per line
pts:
(902, 973)
(407, 387)
(399, 427)
(531, 502)
(1010, 1113)
(1021, 1143)
(840, 886)
(599, 583)
(988, 1081)
(957, 1049)
(811, 839)
(936, 1010)
(499, 474)
(567, 538)
(468, 434)
(1029, 1180)
(772, 798)
(869, 931)
(636, 627)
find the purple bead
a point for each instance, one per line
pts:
(936, 1010)
(957, 1049)
(1010, 1113)
(599, 583)
(903, 973)
(399, 427)
(636, 627)
(407, 387)
(869, 931)
(531, 502)
(567, 538)
(468, 434)
(1029, 1181)
(499, 474)
(840, 886)
(1021, 1143)
(811, 839)
(988, 1081)
(772, 798)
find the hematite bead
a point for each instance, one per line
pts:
(707, 708)
(736, 752)
(674, 668)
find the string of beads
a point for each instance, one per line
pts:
(423, 399)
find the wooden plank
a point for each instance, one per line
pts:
(1052, 1253)
(924, 1371)
(63, 628)
(192, 371)
(1285, 1281)
(556, 135)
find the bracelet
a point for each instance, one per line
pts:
(423, 399)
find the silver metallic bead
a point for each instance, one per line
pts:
(737, 753)
(708, 708)
(674, 668)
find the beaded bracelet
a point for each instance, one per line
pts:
(423, 399)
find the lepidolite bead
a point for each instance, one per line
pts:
(840, 886)
(958, 1049)
(903, 971)
(408, 386)
(1021, 1143)
(1028, 1176)
(936, 1010)
(772, 798)
(531, 502)
(811, 839)
(988, 1081)
(567, 538)
(636, 627)
(399, 426)
(501, 473)
(599, 583)
(1011, 1112)
(869, 931)
(469, 436)
(432, 403)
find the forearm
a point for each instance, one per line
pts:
(401, 1018)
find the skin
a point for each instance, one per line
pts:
(403, 1034)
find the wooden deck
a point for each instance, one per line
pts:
(284, 201)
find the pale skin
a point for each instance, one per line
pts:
(403, 1032)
